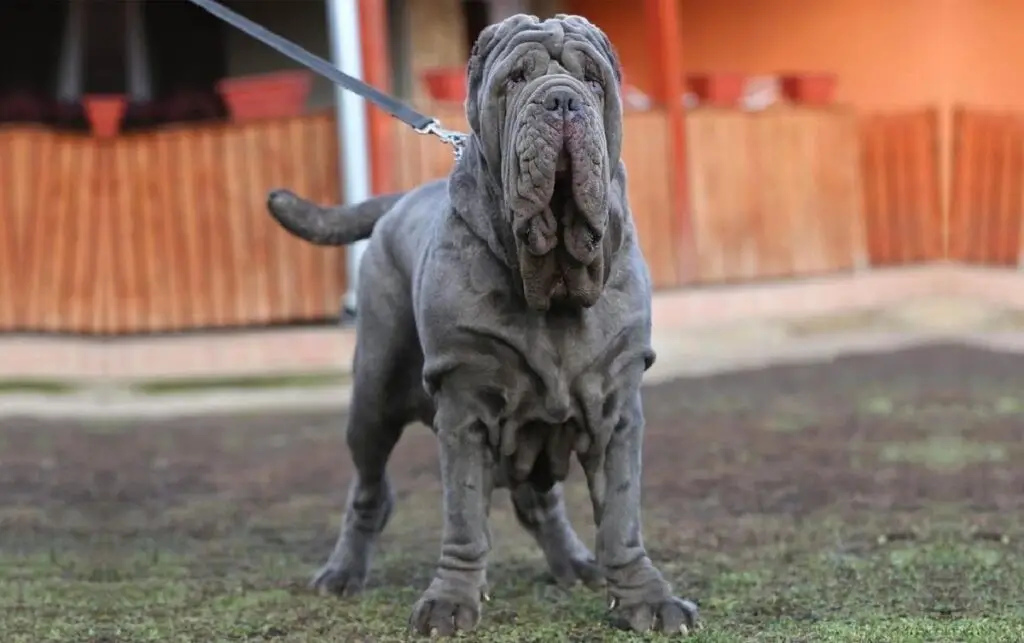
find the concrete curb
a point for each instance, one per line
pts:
(673, 363)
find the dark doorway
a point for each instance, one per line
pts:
(187, 56)
(30, 39)
(476, 18)
(105, 53)
(186, 46)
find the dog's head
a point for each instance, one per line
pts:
(544, 108)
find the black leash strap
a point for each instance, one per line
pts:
(422, 124)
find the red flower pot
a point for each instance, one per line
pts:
(717, 89)
(446, 83)
(816, 89)
(275, 95)
(105, 113)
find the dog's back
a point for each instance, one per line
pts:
(404, 229)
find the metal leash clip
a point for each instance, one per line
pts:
(456, 139)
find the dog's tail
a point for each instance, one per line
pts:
(329, 226)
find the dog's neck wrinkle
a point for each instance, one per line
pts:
(481, 205)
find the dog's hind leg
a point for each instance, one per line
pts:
(386, 396)
(542, 514)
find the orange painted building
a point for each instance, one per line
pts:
(888, 54)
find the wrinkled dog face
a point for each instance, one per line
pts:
(544, 103)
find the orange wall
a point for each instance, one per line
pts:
(884, 51)
(986, 58)
(889, 54)
(624, 24)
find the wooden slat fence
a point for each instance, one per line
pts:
(775, 193)
(902, 205)
(15, 189)
(987, 208)
(167, 231)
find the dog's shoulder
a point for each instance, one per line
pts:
(423, 201)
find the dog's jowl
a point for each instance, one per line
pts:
(508, 307)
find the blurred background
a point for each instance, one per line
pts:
(768, 140)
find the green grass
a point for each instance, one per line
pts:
(898, 592)
(944, 452)
(854, 502)
(176, 386)
(38, 386)
(181, 385)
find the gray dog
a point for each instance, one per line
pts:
(508, 307)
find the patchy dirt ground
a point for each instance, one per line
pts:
(875, 498)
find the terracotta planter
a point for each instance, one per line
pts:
(815, 89)
(718, 89)
(446, 83)
(275, 95)
(105, 113)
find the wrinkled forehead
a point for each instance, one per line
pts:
(572, 41)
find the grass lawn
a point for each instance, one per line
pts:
(874, 499)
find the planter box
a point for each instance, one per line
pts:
(817, 89)
(445, 83)
(105, 113)
(274, 95)
(718, 89)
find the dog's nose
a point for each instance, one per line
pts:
(561, 100)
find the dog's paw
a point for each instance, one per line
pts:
(674, 616)
(338, 580)
(445, 609)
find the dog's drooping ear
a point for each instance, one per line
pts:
(483, 46)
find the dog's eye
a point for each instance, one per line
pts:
(516, 77)
(593, 82)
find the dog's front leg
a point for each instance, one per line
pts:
(641, 599)
(452, 602)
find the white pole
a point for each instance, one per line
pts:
(69, 82)
(353, 146)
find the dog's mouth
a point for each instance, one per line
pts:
(563, 165)
(561, 196)
(561, 206)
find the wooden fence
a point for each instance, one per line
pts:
(987, 208)
(15, 183)
(167, 231)
(900, 173)
(164, 231)
(774, 193)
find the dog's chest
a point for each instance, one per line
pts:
(567, 368)
(566, 392)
